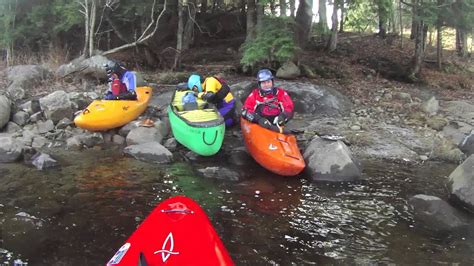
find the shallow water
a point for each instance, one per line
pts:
(81, 213)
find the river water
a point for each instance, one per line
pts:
(82, 212)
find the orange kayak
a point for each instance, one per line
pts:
(274, 151)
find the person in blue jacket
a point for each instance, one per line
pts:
(122, 82)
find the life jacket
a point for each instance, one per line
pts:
(118, 87)
(222, 92)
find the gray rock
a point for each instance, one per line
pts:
(39, 142)
(73, 143)
(127, 128)
(31, 107)
(435, 214)
(117, 139)
(10, 149)
(45, 126)
(44, 161)
(24, 78)
(89, 68)
(91, 139)
(149, 152)
(220, 173)
(403, 96)
(64, 123)
(316, 100)
(288, 71)
(5, 109)
(431, 106)
(16, 91)
(56, 106)
(461, 183)
(143, 135)
(330, 161)
(171, 144)
(36, 117)
(467, 144)
(20, 118)
(12, 127)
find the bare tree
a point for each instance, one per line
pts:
(292, 8)
(304, 17)
(149, 31)
(251, 20)
(332, 43)
(282, 8)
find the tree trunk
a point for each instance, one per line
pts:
(272, 7)
(323, 20)
(414, 23)
(418, 57)
(292, 8)
(251, 20)
(332, 43)
(282, 8)
(188, 37)
(86, 13)
(341, 23)
(461, 42)
(179, 35)
(382, 13)
(425, 34)
(401, 22)
(93, 13)
(303, 19)
(260, 14)
(203, 6)
(439, 47)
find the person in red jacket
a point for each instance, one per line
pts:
(269, 106)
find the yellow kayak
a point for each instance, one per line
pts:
(103, 115)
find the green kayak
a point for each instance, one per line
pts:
(200, 130)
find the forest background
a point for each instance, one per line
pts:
(395, 38)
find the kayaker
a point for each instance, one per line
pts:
(122, 82)
(216, 91)
(269, 106)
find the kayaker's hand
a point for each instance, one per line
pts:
(248, 115)
(281, 119)
(263, 122)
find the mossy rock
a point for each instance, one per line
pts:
(437, 122)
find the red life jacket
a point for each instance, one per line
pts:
(118, 87)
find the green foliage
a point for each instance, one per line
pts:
(273, 45)
(361, 16)
(67, 15)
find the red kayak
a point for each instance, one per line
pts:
(177, 232)
(274, 151)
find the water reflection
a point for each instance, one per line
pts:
(81, 213)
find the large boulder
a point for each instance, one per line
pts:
(149, 152)
(89, 68)
(288, 71)
(461, 183)
(56, 106)
(330, 161)
(316, 100)
(144, 134)
(5, 110)
(10, 149)
(467, 144)
(24, 78)
(308, 98)
(435, 214)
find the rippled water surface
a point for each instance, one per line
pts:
(81, 213)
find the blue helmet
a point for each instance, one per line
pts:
(264, 75)
(195, 80)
